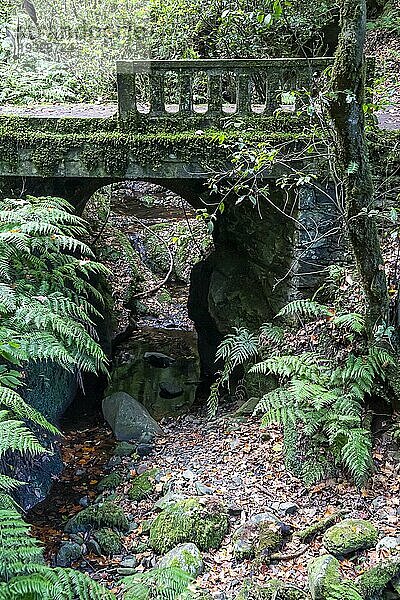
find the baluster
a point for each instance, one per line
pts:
(127, 95)
(274, 94)
(185, 93)
(157, 96)
(243, 94)
(214, 93)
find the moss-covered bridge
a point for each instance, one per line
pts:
(177, 123)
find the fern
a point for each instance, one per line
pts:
(305, 308)
(352, 321)
(158, 584)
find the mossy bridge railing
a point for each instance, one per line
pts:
(169, 123)
(213, 88)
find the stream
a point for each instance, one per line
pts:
(146, 225)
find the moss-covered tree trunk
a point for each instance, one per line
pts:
(353, 167)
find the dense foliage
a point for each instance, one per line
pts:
(47, 310)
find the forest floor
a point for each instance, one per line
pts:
(241, 465)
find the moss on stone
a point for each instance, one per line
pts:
(325, 582)
(109, 541)
(144, 485)
(269, 540)
(272, 590)
(97, 516)
(110, 482)
(125, 449)
(188, 521)
(350, 535)
(376, 579)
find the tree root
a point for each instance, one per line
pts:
(320, 525)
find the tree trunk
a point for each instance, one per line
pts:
(346, 111)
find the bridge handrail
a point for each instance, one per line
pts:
(274, 75)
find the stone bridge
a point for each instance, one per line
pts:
(177, 123)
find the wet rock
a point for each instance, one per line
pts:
(109, 541)
(235, 510)
(189, 521)
(169, 391)
(97, 516)
(114, 461)
(143, 486)
(128, 419)
(84, 501)
(286, 508)
(350, 535)
(94, 547)
(68, 553)
(186, 557)
(159, 360)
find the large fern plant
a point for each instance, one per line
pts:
(319, 396)
(46, 314)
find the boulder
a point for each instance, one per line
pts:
(325, 583)
(97, 516)
(186, 557)
(350, 535)
(167, 500)
(373, 581)
(108, 540)
(259, 537)
(143, 485)
(68, 553)
(389, 543)
(128, 419)
(159, 360)
(124, 449)
(203, 524)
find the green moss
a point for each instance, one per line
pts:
(125, 449)
(97, 516)
(188, 521)
(110, 542)
(325, 582)
(350, 535)
(273, 590)
(373, 581)
(269, 540)
(143, 485)
(110, 482)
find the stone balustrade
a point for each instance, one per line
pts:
(213, 88)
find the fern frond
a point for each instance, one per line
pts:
(14, 402)
(356, 455)
(352, 321)
(15, 436)
(305, 308)
(158, 584)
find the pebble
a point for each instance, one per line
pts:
(85, 501)
(234, 509)
(144, 449)
(130, 562)
(188, 475)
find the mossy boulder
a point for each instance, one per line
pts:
(325, 582)
(350, 535)
(109, 541)
(68, 553)
(258, 538)
(144, 485)
(186, 557)
(110, 482)
(97, 516)
(373, 581)
(273, 590)
(189, 521)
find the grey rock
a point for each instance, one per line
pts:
(323, 574)
(390, 543)
(114, 461)
(129, 562)
(261, 518)
(188, 475)
(94, 547)
(202, 489)
(167, 500)
(287, 508)
(234, 510)
(159, 360)
(126, 571)
(68, 553)
(128, 419)
(185, 556)
(85, 501)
